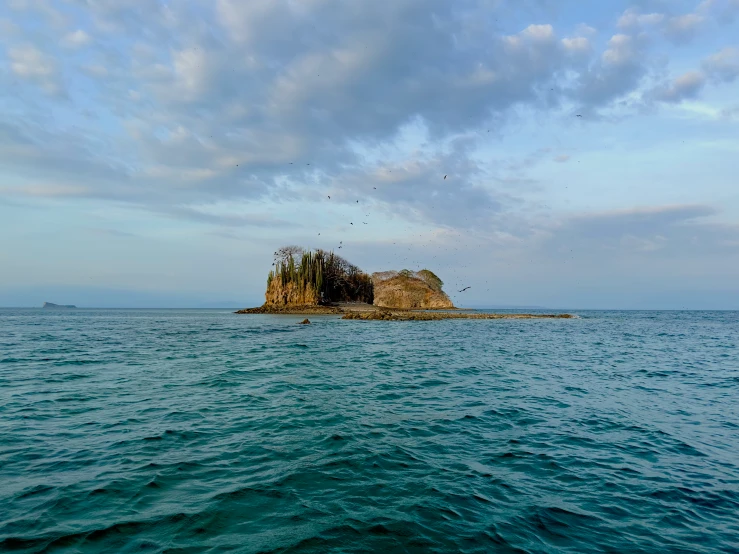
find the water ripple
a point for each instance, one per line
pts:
(202, 431)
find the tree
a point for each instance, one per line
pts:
(331, 277)
(284, 254)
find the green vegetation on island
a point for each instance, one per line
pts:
(316, 278)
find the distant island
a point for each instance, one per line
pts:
(319, 282)
(52, 306)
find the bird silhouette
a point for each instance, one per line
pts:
(465, 288)
(444, 176)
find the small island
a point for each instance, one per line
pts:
(318, 282)
(52, 306)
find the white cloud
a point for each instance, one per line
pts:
(632, 19)
(29, 62)
(687, 85)
(34, 66)
(724, 65)
(621, 50)
(578, 45)
(237, 106)
(191, 68)
(76, 39)
(683, 28)
(587, 30)
(676, 28)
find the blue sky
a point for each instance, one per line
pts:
(156, 153)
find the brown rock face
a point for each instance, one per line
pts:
(291, 294)
(407, 291)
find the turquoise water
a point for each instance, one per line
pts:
(204, 431)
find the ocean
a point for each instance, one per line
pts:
(203, 431)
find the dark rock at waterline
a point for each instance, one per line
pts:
(304, 322)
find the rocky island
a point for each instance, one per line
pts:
(52, 306)
(319, 282)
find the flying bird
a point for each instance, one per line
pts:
(444, 176)
(465, 288)
(329, 198)
(578, 115)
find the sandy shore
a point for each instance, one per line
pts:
(355, 310)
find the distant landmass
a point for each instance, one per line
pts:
(52, 306)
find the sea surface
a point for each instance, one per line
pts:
(204, 431)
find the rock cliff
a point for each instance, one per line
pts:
(290, 294)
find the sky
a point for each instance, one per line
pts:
(558, 153)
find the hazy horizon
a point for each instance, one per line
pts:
(104, 298)
(554, 153)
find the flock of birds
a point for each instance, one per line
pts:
(406, 259)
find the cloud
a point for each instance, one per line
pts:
(618, 72)
(577, 45)
(76, 39)
(725, 11)
(199, 102)
(632, 19)
(720, 68)
(679, 232)
(723, 66)
(683, 28)
(678, 28)
(687, 85)
(33, 65)
(27, 61)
